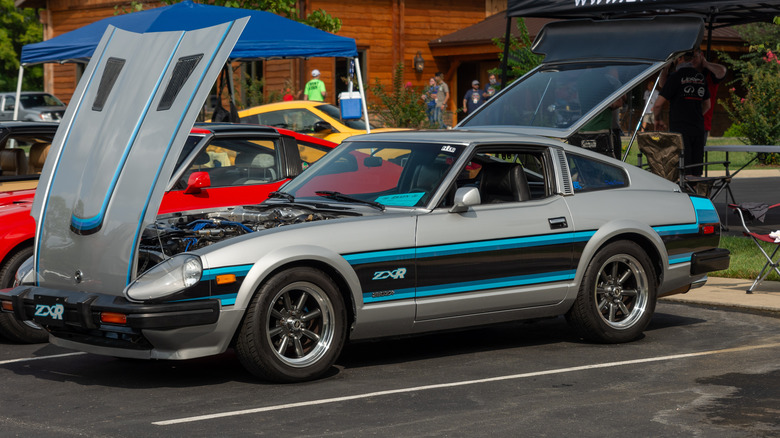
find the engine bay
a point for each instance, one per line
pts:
(187, 231)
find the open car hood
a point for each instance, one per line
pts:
(116, 148)
(588, 64)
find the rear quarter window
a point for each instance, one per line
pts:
(588, 174)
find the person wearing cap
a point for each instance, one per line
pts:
(315, 88)
(473, 98)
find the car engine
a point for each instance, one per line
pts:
(180, 232)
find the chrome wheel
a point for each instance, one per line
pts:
(621, 291)
(294, 327)
(300, 324)
(616, 297)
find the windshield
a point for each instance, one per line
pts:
(335, 113)
(556, 96)
(39, 100)
(391, 174)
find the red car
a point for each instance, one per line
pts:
(221, 165)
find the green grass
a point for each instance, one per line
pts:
(746, 259)
(736, 159)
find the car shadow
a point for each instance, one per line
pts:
(61, 365)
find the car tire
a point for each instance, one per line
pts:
(617, 296)
(294, 327)
(23, 332)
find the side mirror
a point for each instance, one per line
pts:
(465, 197)
(322, 126)
(196, 182)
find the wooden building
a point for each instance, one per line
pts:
(387, 32)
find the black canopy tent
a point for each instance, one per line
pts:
(715, 13)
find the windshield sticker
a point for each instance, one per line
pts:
(402, 200)
(450, 149)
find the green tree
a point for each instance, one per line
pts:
(286, 8)
(402, 105)
(521, 58)
(17, 28)
(755, 113)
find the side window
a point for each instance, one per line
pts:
(310, 152)
(232, 162)
(588, 174)
(506, 174)
(8, 105)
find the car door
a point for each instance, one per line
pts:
(496, 256)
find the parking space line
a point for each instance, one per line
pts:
(28, 359)
(460, 383)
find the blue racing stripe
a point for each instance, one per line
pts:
(680, 258)
(467, 247)
(238, 271)
(705, 211)
(471, 286)
(495, 283)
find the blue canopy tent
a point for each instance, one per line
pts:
(266, 36)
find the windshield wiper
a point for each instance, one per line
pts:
(346, 198)
(284, 195)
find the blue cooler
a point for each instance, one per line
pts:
(350, 104)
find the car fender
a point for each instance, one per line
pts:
(615, 229)
(16, 228)
(277, 259)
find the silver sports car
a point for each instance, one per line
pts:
(390, 234)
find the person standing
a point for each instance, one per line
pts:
(492, 87)
(713, 74)
(315, 88)
(430, 101)
(473, 98)
(648, 119)
(689, 99)
(442, 97)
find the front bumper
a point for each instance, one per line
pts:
(79, 315)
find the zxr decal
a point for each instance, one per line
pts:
(395, 275)
(55, 311)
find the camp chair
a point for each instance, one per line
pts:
(748, 212)
(664, 152)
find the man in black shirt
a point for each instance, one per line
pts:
(688, 97)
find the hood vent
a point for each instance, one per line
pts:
(107, 81)
(184, 68)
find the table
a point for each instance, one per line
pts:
(757, 149)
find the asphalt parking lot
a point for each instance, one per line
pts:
(698, 371)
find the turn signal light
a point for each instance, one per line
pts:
(113, 318)
(8, 306)
(226, 278)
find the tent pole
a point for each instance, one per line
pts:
(504, 62)
(18, 92)
(362, 94)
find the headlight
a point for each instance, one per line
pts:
(25, 274)
(169, 277)
(46, 117)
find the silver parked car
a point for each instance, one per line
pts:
(35, 106)
(390, 234)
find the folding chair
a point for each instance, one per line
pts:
(750, 211)
(664, 152)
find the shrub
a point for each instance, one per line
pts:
(401, 106)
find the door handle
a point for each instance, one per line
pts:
(557, 223)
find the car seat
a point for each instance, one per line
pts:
(503, 182)
(38, 153)
(13, 162)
